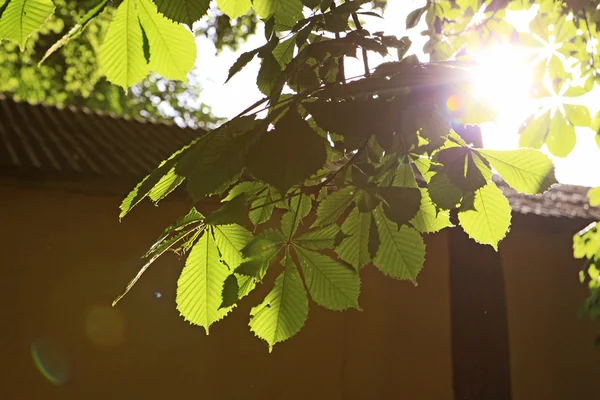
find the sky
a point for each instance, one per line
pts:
(581, 167)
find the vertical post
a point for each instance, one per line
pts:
(480, 343)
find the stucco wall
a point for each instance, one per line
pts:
(65, 256)
(552, 351)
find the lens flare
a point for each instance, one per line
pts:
(51, 361)
(105, 326)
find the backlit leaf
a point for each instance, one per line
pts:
(300, 206)
(172, 46)
(561, 137)
(330, 283)
(594, 196)
(333, 206)
(525, 170)
(200, 285)
(401, 252)
(234, 8)
(586, 243)
(23, 17)
(534, 134)
(320, 238)
(184, 11)
(490, 221)
(122, 55)
(354, 249)
(268, 73)
(284, 310)
(577, 115)
(230, 240)
(428, 218)
(77, 28)
(284, 52)
(286, 12)
(262, 208)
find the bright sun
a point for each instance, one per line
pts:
(502, 78)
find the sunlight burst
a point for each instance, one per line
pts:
(502, 78)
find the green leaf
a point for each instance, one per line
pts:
(286, 12)
(561, 137)
(262, 208)
(284, 310)
(465, 168)
(268, 73)
(443, 192)
(157, 184)
(265, 245)
(300, 206)
(231, 239)
(594, 196)
(333, 206)
(489, 222)
(253, 267)
(230, 291)
(429, 219)
(401, 203)
(275, 158)
(184, 11)
(366, 200)
(200, 285)
(404, 176)
(284, 52)
(248, 188)
(577, 115)
(159, 249)
(320, 238)
(122, 54)
(218, 158)
(534, 134)
(241, 62)
(525, 170)
(354, 249)
(414, 17)
(401, 252)
(234, 8)
(231, 212)
(192, 217)
(22, 17)
(172, 46)
(77, 28)
(586, 243)
(331, 284)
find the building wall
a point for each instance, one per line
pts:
(552, 351)
(65, 257)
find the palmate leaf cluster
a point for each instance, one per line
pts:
(328, 174)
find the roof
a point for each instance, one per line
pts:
(560, 201)
(48, 143)
(44, 142)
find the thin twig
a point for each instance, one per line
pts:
(364, 51)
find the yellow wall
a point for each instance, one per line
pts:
(552, 351)
(65, 257)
